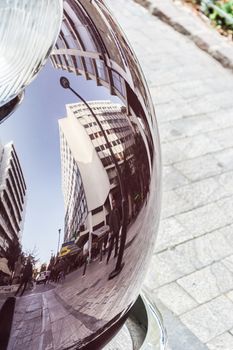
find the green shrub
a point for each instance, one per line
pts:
(220, 21)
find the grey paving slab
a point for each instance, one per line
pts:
(207, 283)
(226, 205)
(223, 137)
(222, 119)
(175, 204)
(171, 232)
(179, 336)
(222, 342)
(196, 146)
(224, 158)
(205, 191)
(228, 262)
(191, 125)
(226, 180)
(190, 256)
(207, 166)
(210, 319)
(172, 178)
(192, 93)
(176, 299)
(205, 219)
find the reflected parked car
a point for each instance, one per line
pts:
(42, 277)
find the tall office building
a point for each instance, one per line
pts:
(12, 197)
(84, 152)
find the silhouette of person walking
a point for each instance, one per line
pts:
(27, 275)
(114, 224)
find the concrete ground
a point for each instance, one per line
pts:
(191, 274)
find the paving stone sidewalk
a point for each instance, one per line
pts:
(191, 274)
(196, 27)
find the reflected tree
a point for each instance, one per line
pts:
(12, 254)
(32, 255)
(51, 262)
(43, 267)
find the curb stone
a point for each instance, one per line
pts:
(186, 22)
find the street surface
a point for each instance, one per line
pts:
(48, 316)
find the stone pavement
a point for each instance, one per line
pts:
(185, 20)
(48, 316)
(191, 275)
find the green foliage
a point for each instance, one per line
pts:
(223, 25)
(228, 7)
(217, 19)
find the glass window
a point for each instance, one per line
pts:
(89, 65)
(86, 38)
(70, 61)
(118, 82)
(60, 43)
(79, 62)
(101, 70)
(71, 43)
(63, 60)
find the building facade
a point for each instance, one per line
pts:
(100, 53)
(12, 197)
(73, 191)
(120, 134)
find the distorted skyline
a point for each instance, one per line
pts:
(33, 128)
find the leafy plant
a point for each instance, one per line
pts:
(216, 15)
(12, 254)
(219, 20)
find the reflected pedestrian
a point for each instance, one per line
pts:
(62, 270)
(27, 275)
(114, 224)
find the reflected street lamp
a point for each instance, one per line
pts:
(119, 264)
(59, 234)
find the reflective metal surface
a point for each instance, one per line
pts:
(143, 329)
(79, 190)
(28, 31)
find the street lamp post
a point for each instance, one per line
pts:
(119, 264)
(59, 234)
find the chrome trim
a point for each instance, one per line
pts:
(156, 337)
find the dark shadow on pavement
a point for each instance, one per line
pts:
(6, 318)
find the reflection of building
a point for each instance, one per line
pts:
(90, 44)
(91, 197)
(12, 196)
(80, 49)
(72, 186)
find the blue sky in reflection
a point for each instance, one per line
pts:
(33, 128)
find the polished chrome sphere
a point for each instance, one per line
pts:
(79, 190)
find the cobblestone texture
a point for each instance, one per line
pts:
(191, 274)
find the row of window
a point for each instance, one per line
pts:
(11, 211)
(19, 170)
(81, 64)
(6, 220)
